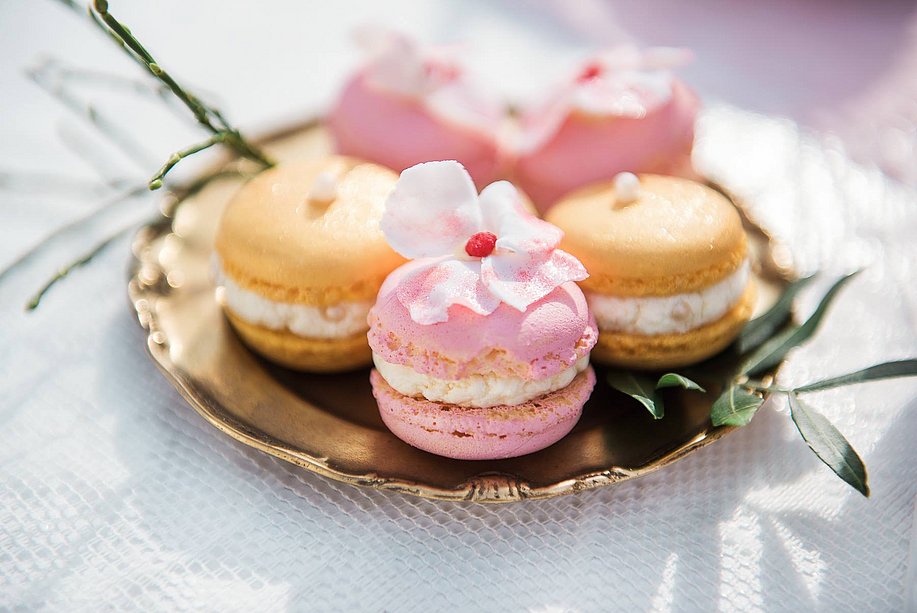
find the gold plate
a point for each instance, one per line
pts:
(329, 424)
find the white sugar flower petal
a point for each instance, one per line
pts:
(459, 101)
(516, 229)
(395, 61)
(621, 82)
(432, 211)
(521, 279)
(378, 40)
(430, 290)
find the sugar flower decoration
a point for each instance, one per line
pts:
(627, 81)
(621, 82)
(473, 250)
(400, 65)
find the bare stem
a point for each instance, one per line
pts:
(64, 73)
(209, 117)
(222, 132)
(184, 192)
(97, 119)
(49, 183)
(87, 151)
(156, 180)
(81, 261)
(73, 226)
(181, 194)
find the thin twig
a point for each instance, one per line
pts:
(50, 183)
(97, 119)
(64, 73)
(181, 194)
(209, 117)
(81, 261)
(155, 181)
(186, 191)
(88, 152)
(73, 225)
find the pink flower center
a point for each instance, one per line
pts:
(590, 72)
(481, 245)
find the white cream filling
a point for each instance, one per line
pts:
(334, 321)
(476, 390)
(668, 314)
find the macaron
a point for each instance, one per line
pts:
(481, 343)
(622, 111)
(483, 387)
(299, 258)
(669, 270)
(410, 104)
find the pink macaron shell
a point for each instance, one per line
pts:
(585, 149)
(400, 131)
(469, 433)
(549, 337)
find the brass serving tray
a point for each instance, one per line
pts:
(329, 424)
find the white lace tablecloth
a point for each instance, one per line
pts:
(114, 495)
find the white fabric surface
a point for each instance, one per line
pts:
(117, 496)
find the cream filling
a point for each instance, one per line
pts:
(475, 390)
(669, 314)
(333, 321)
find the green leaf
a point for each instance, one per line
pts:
(671, 379)
(734, 407)
(758, 330)
(770, 353)
(886, 370)
(829, 445)
(640, 388)
(773, 351)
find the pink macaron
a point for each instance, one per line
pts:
(624, 111)
(481, 343)
(410, 104)
(472, 433)
(545, 342)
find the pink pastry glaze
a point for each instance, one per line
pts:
(399, 131)
(550, 336)
(588, 148)
(468, 433)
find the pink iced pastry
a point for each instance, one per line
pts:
(481, 343)
(409, 105)
(472, 433)
(623, 112)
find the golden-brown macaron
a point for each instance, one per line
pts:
(669, 275)
(300, 258)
